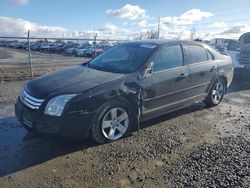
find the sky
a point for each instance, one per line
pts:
(119, 19)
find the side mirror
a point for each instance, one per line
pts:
(147, 71)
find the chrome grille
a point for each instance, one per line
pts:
(31, 102)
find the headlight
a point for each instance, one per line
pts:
(56, 105)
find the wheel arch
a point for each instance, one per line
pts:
(133, 105)
(119, 98)
(224, 78)
(225, 81)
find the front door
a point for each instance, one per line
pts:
(168, 84)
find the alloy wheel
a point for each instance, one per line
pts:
(218, 92)
(115, 123)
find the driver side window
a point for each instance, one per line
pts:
(168, 57)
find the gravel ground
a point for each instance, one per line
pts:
(223, 164)
(193, 147)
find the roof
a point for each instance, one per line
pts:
(245, 38)
(163, 41)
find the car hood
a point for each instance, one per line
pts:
(76, 79)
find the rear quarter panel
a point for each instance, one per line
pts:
(225, 69)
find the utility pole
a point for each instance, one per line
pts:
(30, 61)
(95, 43)
(159, 22)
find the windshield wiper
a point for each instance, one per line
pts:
(104, 68)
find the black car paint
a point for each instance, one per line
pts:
(76, 79)
(149, 97)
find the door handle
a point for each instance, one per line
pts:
(183, 75)
(213, 68)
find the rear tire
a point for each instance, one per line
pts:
(113, 122)
(216, 93)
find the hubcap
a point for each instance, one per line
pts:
(218, 92)
(115, 123)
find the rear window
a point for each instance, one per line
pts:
(196, 54)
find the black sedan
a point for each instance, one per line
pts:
(109, 96)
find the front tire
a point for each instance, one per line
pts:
(216, 94)
(114, 121)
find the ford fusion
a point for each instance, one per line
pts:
(109, 96)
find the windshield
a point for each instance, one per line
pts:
(123, 58)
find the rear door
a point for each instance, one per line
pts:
(203, 68)
(169, 82)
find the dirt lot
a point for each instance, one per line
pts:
(14, 64)
(193, 147)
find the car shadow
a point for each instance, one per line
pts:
(171, 115)
(20, 150)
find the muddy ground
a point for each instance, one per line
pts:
(193, 147)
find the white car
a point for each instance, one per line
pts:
(81, 52)
(84, 51)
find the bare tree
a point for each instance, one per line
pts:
(152, 34)
(192, 33)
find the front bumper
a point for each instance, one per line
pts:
(70, 125)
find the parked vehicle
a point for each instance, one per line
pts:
(244, 56)
(233, 49)
(80, 48)
(82, 52)
(24, 46)
(57, 48)
(136, 81)
(90, 52)
(46, 47)
(220, 43)
(68, 49)
(35, 46)
(102, 50)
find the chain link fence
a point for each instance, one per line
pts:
(23, 57)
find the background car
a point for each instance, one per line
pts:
(102, 49)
